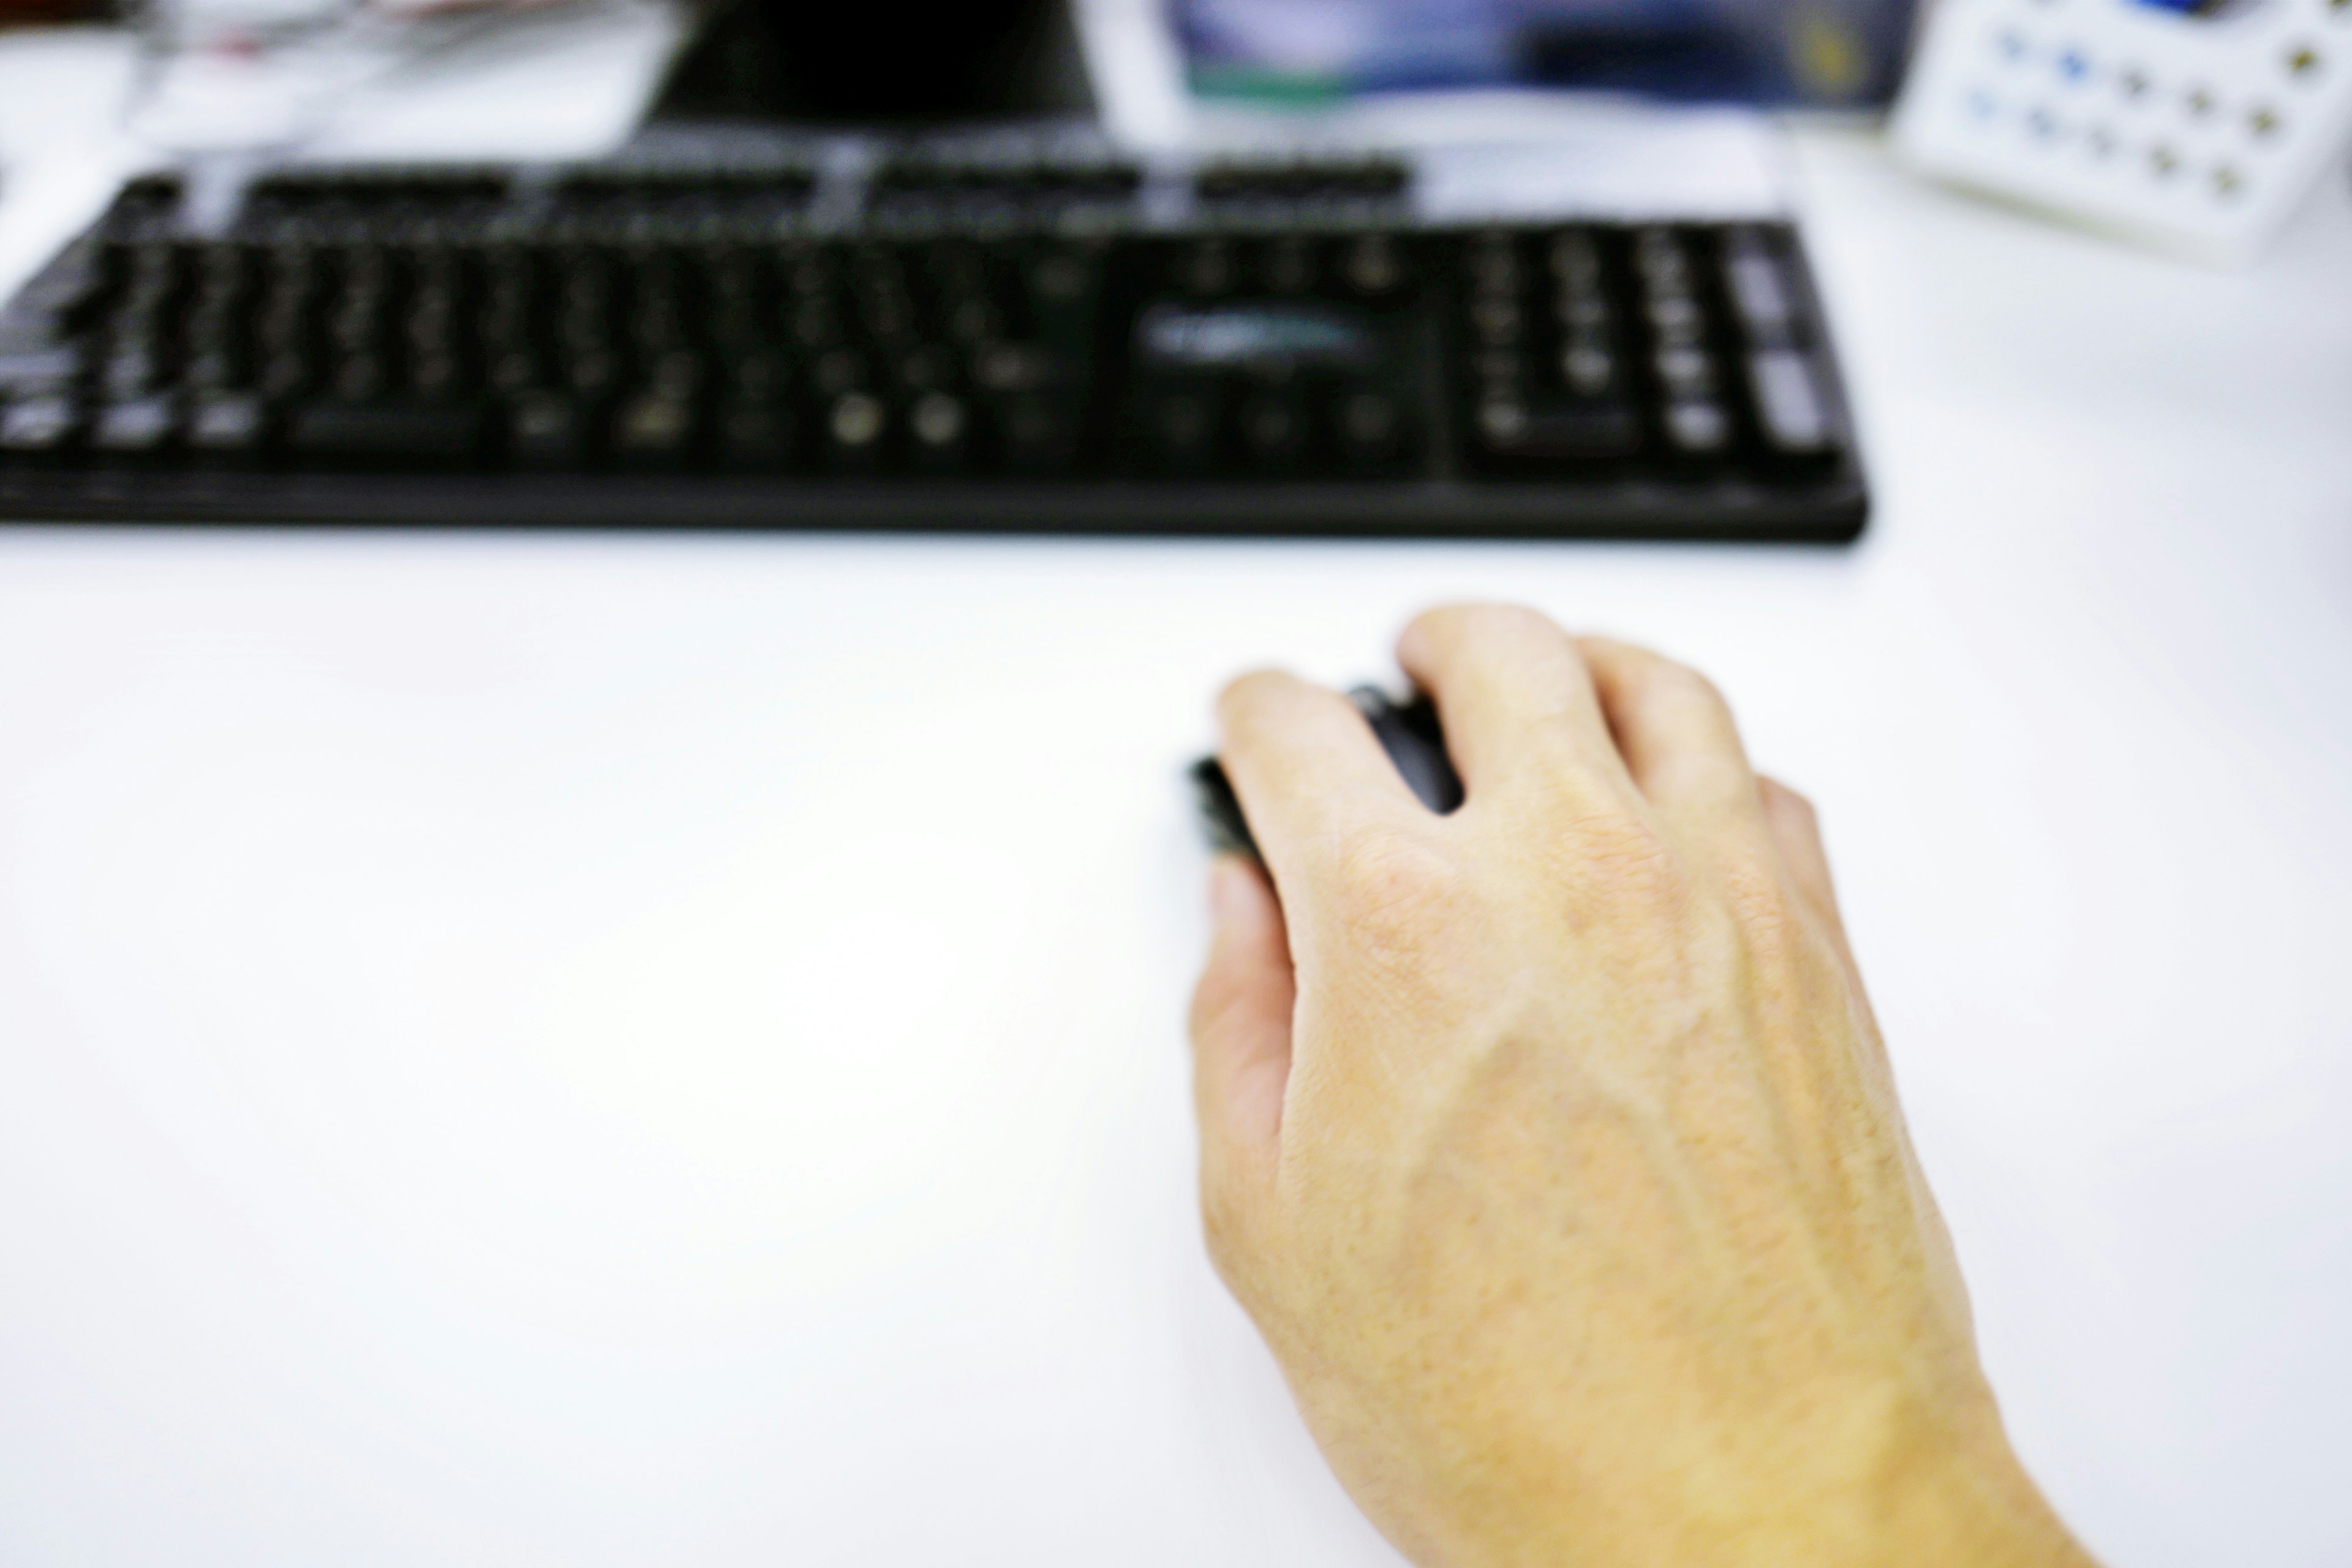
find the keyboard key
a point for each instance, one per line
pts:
(1586, 370)
(288, 374)
(937, 427)
(1040, 431)
(227, 426)
(1260, 338)
(134, 367)
(1064, 284)
(1558, 431)
(1497, 320)
(361, 378)
(1372, 265)
(1501, 373)
(1696, 425)
(1501, 420)
(1014, 367)
(889, 319)
(1370, 431)
(1575, 262)
(394, 434)
(1658, 258)
(1685, 372)
(759, 376)
(1207, 269)
(680, 372)
(1274, 429)
(854, 426)
(756, 434)
(547, 430)
(40, 424)
(592, 374)
(1287, 266)
(515, 370)
(1675, 317)
(926, 369)
(215, 348)
(1494, 263)
(1180, 427)
(40, 369)
(1759, 294)
(435, 377)
(842, 371)
(973, 319)
(1788, 403)
(654, 429)
(138, 426)
(1583, 314)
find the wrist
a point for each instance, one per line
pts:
(1882, 1480)
(1928, 1493)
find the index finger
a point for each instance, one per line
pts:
(1517, 702)
(1307, 770)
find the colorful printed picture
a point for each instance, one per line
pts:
(1831, 53)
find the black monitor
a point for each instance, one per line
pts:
(878, 62)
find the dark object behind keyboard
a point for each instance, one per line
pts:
(1028, 341)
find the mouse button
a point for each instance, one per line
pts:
(1419, 718)
(1220, 810)
(1423, 767)
(1410, 732)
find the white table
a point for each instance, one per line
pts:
(617, 1049)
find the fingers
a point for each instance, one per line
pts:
(1797, 834)
(1514, 695)
(1307, 770)
(1241, 1040)
(1678, 739)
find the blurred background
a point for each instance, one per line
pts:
(1844, 54)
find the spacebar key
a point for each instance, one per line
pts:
(422, 434)
(1559, 431)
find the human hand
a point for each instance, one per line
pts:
(1553, 1147)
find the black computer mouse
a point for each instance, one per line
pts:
(1408, 731)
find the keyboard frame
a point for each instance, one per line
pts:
(1830, 505)
(1832, 512)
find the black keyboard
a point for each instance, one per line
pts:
(925, 336)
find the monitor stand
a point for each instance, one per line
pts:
(878, 63)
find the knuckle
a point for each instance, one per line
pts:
(1763, 904)
(1404, 908)
(1392, 877)
(1666, 684)
(1622, 858)
(1791, 803)
(1635, 861)
(1615, 656)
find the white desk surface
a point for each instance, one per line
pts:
(586, 1050)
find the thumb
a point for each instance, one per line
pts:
(1240, 1036)
(1797, 832)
